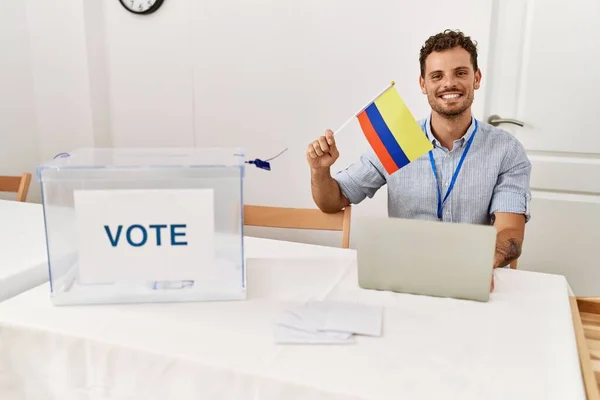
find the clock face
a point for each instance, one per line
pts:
(141, 6)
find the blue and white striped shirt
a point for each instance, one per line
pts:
(494, 177)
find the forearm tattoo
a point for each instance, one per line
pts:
(506, 251)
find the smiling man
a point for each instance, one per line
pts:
(476, 173)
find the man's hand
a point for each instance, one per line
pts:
(322, 153)
(509, 239)
(326, 192)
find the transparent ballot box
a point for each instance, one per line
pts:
(144, 225)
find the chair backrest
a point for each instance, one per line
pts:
(299, 218)
(16, 184)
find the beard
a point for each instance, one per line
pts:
(451, 111)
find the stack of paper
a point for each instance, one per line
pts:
(328, 322)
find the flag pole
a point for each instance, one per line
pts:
(363, 108)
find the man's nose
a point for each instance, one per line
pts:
(449, 81)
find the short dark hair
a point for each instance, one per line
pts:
(447, 40)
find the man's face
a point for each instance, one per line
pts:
(450, 81)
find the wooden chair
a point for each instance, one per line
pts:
(586, 320)
(513, 265)
(299, 218)
(16, 184)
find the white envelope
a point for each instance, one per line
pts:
(359, 319)
(328, 322)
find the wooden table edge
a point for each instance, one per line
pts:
(587, 371)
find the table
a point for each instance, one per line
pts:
(519, 345)
(23, 261)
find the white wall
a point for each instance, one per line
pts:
(263, 75)
(149, 68)
(269, 75)
(276, 74)
(60, 75)
(45, 97)
(18, 145)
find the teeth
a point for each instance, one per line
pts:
(450, 96)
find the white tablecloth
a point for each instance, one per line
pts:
(519, 345)
(22, 248)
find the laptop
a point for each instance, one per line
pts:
(430, 258)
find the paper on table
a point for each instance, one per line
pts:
(302, 326)
(285, 335)
(302, 319)
(328, 322)
(359, 319)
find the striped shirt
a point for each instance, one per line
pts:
(494, 177)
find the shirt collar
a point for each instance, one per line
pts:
(460, 141)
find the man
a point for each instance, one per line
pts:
(492, 185)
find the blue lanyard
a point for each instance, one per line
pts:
(458, 167)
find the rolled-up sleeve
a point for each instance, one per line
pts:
(361, 179)
(512, 193)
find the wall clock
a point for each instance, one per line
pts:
(141, 6)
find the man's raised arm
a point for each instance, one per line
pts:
(326, 192)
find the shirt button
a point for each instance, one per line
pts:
(448, 213)
(446, 184)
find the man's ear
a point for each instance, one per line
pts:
(477, 83)
(422, 84)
